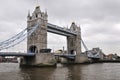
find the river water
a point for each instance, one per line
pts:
(99, 71)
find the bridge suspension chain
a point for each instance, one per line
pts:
(17, 38)
(84, 45)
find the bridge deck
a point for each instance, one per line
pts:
(16, 54)
(59, 30)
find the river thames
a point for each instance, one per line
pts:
(99, 71)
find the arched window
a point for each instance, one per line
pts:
(33, 49)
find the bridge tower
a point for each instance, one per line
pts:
(74, 42)
(38, 40)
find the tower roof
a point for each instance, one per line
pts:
(73, 26)
(73, 22)
(37, 9)
(28, 13)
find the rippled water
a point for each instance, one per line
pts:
(102, 71)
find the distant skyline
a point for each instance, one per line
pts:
(99, 21)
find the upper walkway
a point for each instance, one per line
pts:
(59, 30)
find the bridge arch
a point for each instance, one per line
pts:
(33, 49)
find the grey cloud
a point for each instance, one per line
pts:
(92, 10)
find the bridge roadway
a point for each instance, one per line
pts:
(59, 30)
(16, 54)
(19, 54)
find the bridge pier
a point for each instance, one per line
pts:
(78, 60)
(39, 60)
(81, 59)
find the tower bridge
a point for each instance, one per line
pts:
(37, 28)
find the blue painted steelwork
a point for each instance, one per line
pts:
(91, 55)
(16, 54)
(11, 42)
(59, 30)
(28, 31)
(17, 38)
(88, 53)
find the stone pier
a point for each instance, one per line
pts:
(40, 60)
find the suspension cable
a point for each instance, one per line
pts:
(84, 45)
(17, 38)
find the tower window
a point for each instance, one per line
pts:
(36, 15)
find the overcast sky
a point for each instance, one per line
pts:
(99, 21)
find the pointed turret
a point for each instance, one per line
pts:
(73, 26)
(37, 10)
(46, 15)
(28, 13)
(28, 16)
(36, 13)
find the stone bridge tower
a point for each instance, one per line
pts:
(38, 40)
(74, 42)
